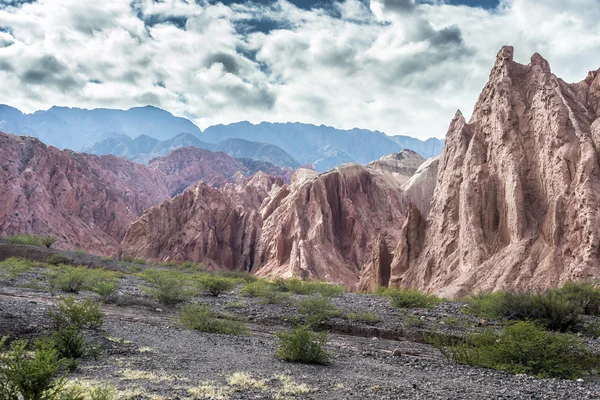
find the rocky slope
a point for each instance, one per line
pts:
(219, 227)
(86, 201)
(319, 226)
(402, 164)
(517, 202)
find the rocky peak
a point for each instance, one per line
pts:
(518, 189)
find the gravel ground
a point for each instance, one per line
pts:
(149, 356)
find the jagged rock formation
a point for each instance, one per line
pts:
(517, 200)
(402, 164)
(323, 226)
(86, 201)
(377, 270)
(218, 227)
(327, 226)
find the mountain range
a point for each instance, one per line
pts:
(143, 133)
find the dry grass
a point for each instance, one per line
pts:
(134, 375)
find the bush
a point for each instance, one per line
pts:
(317, 310)
(585, 295)
(523, 348)
(366, 316)
(411, 298)
(190, 266)
(68, 279)
(216, 285)
(102, 282)
(84, 315)
(31, 240)
(552, 310)
(69, 342)
(302, 345)
(30, 375)
(14, 267)
(257, 289)
(199, 317)
(238, 275)
(298, 286)
(56, 259)
(168, 287)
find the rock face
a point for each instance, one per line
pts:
(332, 226)
(517, 202)
(323, 226)
(86, 201)
(218, 227)
(402, 164)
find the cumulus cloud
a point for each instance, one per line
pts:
(400, 66)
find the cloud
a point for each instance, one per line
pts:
(399, 66)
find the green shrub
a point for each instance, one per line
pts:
(257, 289)
(56, 259)
(67, 278)
(216, 285)
(139, 261)
(127, 259)
(317, 310)
(69, 342)
(360, 316)
(238, 275)
(102, 282)
(167, 286)
(199, 317)
(103, 392)
(14, 267)
(552, 310)
(31, 240)
(301, 287)
(168, 264)
(523, 348)
(30, 375)
(302, 345)
(584, 294)
(411, 298)
(190, 266)
(106, 259)
(84, 314)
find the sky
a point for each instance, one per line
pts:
(398, 66)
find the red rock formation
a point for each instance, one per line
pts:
(86, 201)
(517, 200)
(402, 164)
(377, 270)
(323, 225)
(217, 227)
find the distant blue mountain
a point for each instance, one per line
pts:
(323, 146)
(144, 148)
(142, 133)
(76, 128)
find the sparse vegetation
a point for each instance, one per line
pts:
(199, 317)
(363, 316)
(83, 314)
(69, 342)
(522, 348)
(215, 284)
(549, 308)
(317, 310)
(410, 298)
(14, 267)
(303, 345)
(238, 275)
(168, 287)
(298, 286)
(31, 240)
(56, 259)
(30, 375)
(67, 278)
